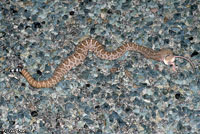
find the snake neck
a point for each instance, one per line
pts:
(146, 52)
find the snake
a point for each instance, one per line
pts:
(81, 51)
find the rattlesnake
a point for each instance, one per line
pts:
(81, 51)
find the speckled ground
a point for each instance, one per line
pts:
(125, 96)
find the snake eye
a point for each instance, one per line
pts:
(167, 55)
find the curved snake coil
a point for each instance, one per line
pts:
(81, 51)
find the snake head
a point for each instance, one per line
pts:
(169, 59)
(167, 56)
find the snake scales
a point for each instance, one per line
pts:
(81, 50)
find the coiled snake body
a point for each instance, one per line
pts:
(165, 55)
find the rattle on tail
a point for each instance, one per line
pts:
(81, 50)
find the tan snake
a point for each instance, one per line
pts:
(81, 51)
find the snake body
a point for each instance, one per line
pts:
(97, 48)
